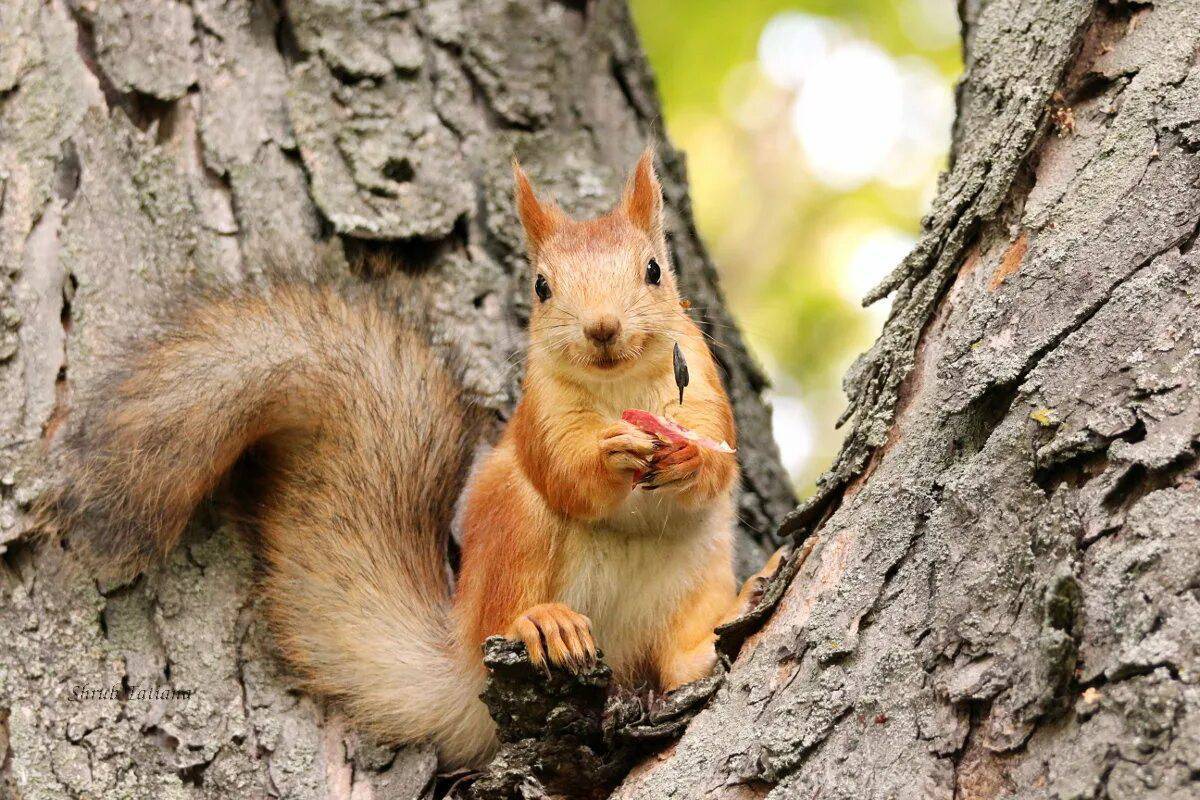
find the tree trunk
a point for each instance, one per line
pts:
(999, 594)
(1002, 597)
(146, 144)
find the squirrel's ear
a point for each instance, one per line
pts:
(538, 219)
(643, 202)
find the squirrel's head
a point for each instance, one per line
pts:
(604, 294)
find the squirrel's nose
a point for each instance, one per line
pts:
(603, 330)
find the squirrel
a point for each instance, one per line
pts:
(579, 531)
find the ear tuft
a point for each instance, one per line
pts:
(643, 202)
(538, 219)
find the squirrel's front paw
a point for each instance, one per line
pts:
(677, 469)
(554, 631)
(627, 449)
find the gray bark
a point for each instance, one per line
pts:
(996, 594)
(144, 145)
(1000, 595)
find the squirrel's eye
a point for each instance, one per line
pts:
(653, 273)
(542, 288)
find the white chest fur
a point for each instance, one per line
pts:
(631, 584)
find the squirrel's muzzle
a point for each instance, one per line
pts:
(603, 330)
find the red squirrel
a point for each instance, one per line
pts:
(579, 530)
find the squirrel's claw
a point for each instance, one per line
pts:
(524, 630)
(556, 634)
(675, 469)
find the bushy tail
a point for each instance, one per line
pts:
(360, 437)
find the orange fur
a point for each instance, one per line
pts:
(553, 526)
(538, 219)
(642, 202)
(688, 653)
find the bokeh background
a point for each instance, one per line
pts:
(814, 133)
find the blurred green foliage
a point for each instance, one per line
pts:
(693, 44)
(796, 247)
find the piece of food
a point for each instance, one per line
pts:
(670, 432)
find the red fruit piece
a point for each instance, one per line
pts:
(658, 427)
(670, 432)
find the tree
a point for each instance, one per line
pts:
(994, 592)
(151, 145)
(1000, 597)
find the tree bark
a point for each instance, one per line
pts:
(146, 145)
(1000, 595)
(996, 592)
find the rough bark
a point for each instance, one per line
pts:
(145, 145)
(1001, 594)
